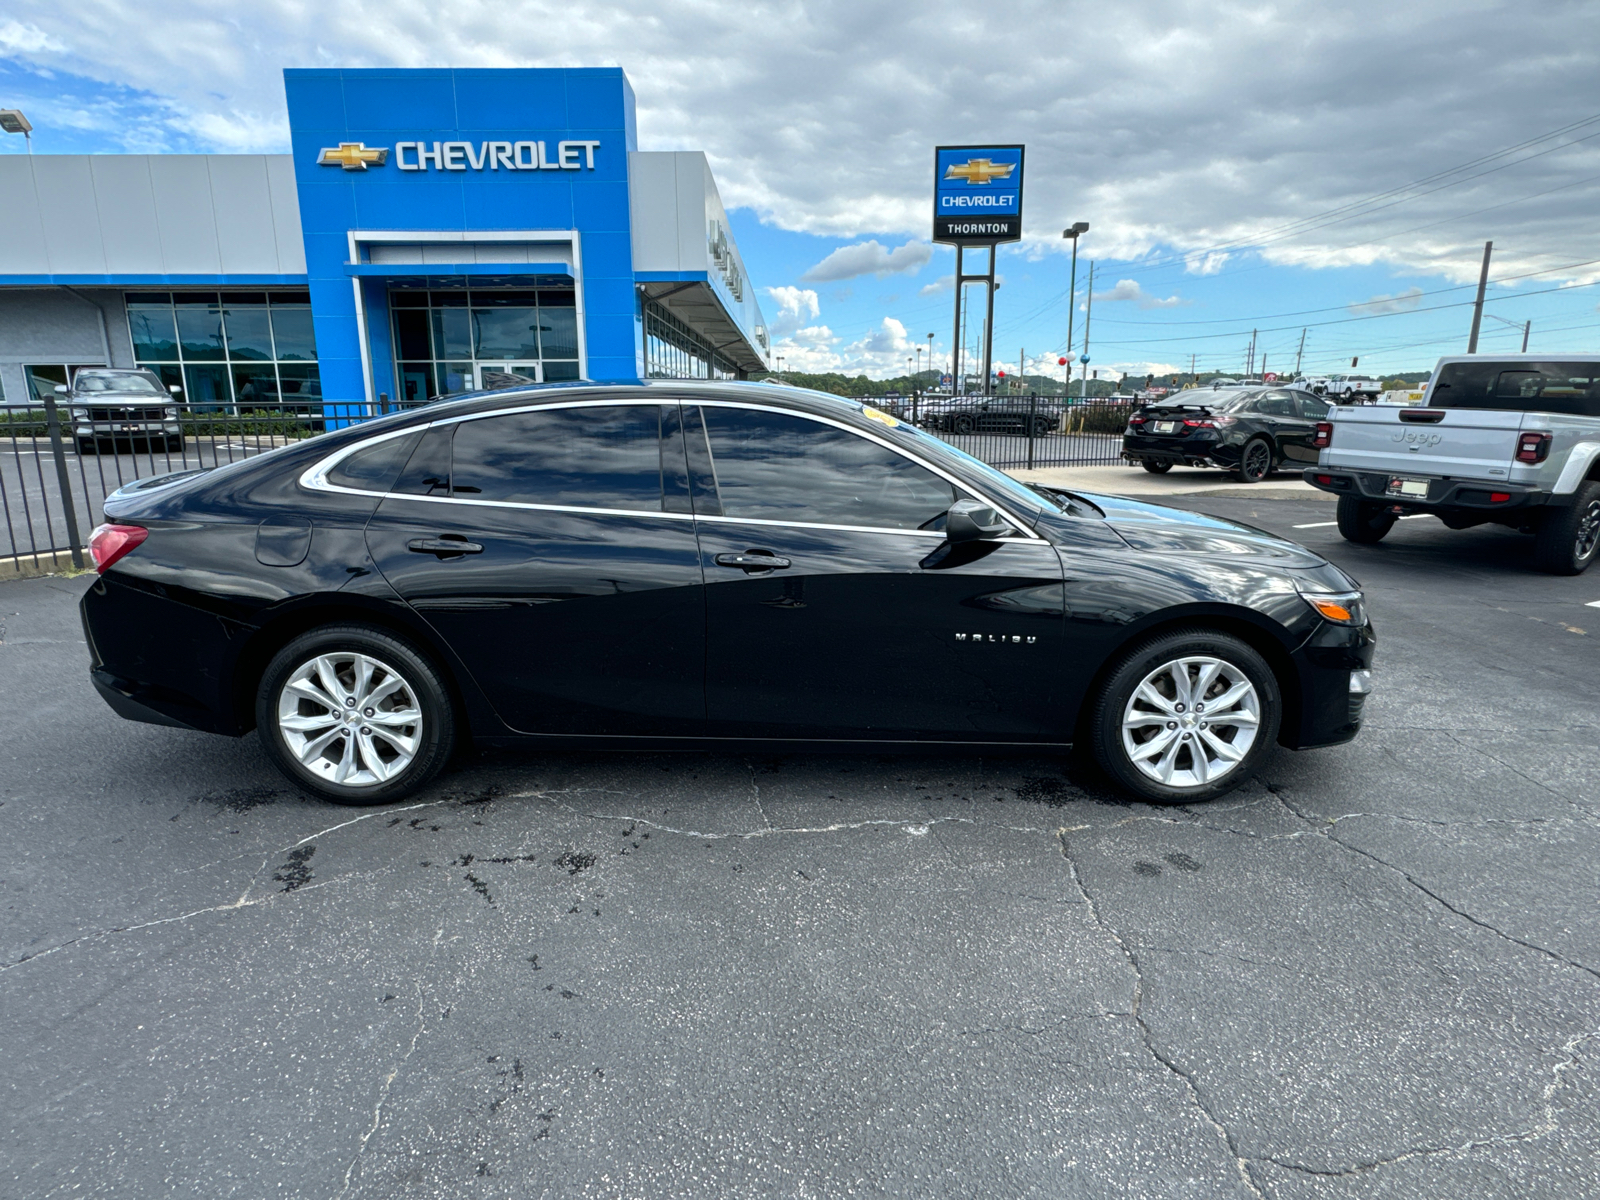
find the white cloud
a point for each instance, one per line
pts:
(1205, 264)
(17, 38)
(941, 285)
(1129, 289)
(869, 258)
(796, 306)
(1401, 302)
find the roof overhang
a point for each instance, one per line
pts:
(692, 298)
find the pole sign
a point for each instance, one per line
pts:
(977, 194)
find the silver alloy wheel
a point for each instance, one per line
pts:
(1191, 721)
(350, 718)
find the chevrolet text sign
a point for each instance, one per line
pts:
(977, 194)
(464, 156)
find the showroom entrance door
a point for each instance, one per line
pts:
(505, 374)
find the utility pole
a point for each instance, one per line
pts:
(1087, 317)
(1073, 232)
(1477, 307)
(1526, 329)
(1299, 354)
(1250, 369)
(1191, 367)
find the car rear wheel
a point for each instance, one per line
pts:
(1567, 539)
(1255, 461)
(1043, 426)
(1363, 521)
(354, 715)
(1157, 466)
(1185, 716)
(963, 424)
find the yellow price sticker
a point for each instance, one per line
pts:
(876, 415)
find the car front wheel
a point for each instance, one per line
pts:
(1185, 716)
(1157, 466)
(355, 715)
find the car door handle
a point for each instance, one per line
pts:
(756, 560)
(444, 545)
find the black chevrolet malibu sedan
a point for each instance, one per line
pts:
(713, 566)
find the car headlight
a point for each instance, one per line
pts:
(1342, 608)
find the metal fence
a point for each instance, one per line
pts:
(1020, 432)
(57, 465)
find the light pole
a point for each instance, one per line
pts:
(1073, 231)
(12, 121)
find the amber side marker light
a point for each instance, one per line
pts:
(108, 543)
(1342, 608)
(1331, 609)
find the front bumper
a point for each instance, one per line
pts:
(1443, 493)
(1334, 665)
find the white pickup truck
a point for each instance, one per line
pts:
(1512, 440)
(1352, 387)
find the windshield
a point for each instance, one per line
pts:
(121, 382)
(1571, 388)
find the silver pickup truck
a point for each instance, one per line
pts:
(1512, 440)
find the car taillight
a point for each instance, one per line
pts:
(1324, 435)
(1207, 422)
(108, 543)
(1533, 447)
(1135, 420)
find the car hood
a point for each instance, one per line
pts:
(1162, 530)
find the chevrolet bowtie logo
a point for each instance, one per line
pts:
(352, 156)
(975, 170)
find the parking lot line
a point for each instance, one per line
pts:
(1593, 604)
(1326, 524)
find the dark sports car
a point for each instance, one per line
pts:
(701, 565)
(1248, 432)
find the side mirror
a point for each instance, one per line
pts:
(61, 389)
(971, 521)
(175, 390)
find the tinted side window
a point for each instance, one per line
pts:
(374, 468)
(1569, 388)
(1311, 407)
(1276, 404)
(777, 467)
(600, 457)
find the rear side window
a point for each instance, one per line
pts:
(779, 467)
(374, 468)
(1569, 388)
(1311, 407)
(594, 457)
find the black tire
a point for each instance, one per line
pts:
(175, 442)
(420, 685)
(962, 424)
(1157, 466)
(1363, 521)
(1567, 539)
(88, 446)
(1136, 666)
(1255, 461)
(1043, 427)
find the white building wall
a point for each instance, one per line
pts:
(149, 214)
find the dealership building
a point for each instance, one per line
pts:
(431, 231)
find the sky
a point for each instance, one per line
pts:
(1270, 167)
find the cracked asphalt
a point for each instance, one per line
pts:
(1373, 971)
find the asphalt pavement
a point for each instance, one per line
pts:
(1372, 971)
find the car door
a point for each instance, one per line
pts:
(1277, 413)
(836, 609)
(554, 550)
(1312, 410)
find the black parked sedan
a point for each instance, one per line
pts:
(1247, 432)
(702, 565)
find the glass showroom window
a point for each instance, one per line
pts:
(441, 335)
(228, 350)
(672, 351)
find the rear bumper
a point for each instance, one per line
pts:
(1188, 452)
(1476, 494)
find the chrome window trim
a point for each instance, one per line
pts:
(315, 477)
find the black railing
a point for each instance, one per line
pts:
(58, 464)
(1020, 432)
